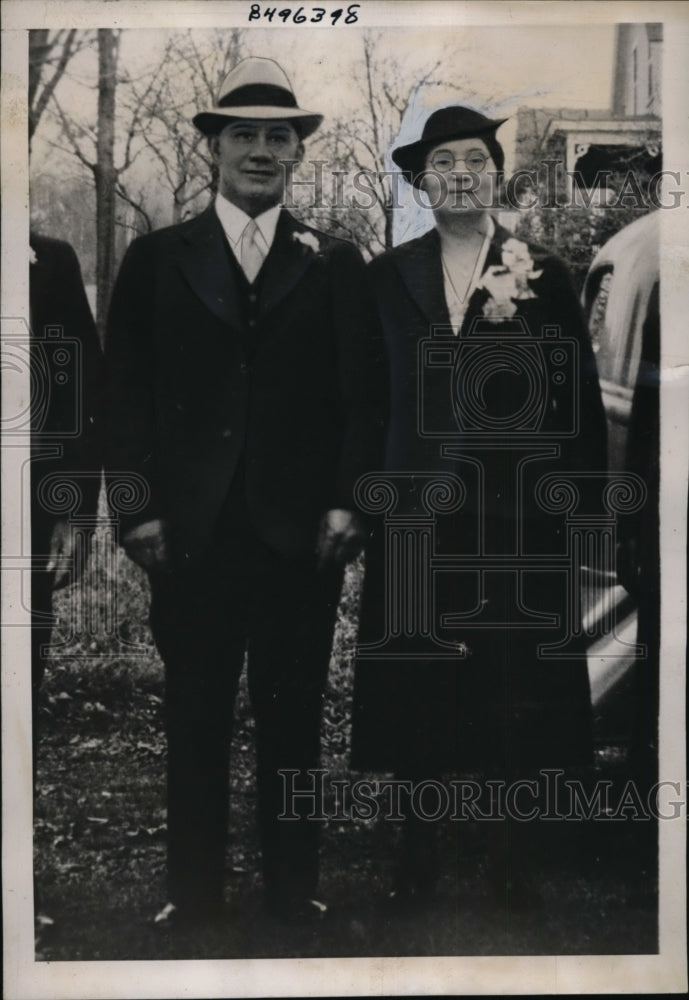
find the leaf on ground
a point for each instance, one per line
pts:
(91, 744)
(71, 866)
(157, 831)
(43, 824)
(97, 819)
(145, 832)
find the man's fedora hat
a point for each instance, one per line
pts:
(444, 125)
(257, 88)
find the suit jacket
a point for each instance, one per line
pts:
(68, 371)
(296, 394)
(409, 290)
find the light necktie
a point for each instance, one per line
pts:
(252, 253)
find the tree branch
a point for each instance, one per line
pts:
(49, 88)
(122, 193)
(69, 132)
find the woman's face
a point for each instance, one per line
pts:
(460, 177)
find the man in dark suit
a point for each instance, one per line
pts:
(66, 426)
(66, 440)
(246, 388)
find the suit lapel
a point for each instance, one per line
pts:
(422, 271)
(285, 264)
(206, 266)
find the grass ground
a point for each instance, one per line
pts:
(100, 831)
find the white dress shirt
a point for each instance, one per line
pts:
(234, 221)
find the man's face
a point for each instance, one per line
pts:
(248, 154)
(460, 177)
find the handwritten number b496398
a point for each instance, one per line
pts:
(300, 15)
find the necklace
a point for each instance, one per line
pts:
(457, 303)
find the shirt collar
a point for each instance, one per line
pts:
(234, 221)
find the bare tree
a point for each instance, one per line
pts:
(190, 79)
(104, 170)
(142, 147)
(357, 147)
(94, 147)
(49, 56)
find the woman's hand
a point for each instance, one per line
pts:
(341, 537)
(147, 545)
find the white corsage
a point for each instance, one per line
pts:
(517, 259)
(307, 240)
(509, 284)
(32, 256)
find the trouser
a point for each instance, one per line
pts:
(242, 597)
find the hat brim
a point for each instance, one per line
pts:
(210, 122)
(411, 158)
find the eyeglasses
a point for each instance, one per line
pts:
(444, 160)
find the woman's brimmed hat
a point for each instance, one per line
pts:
(444, 125)
(257, 88)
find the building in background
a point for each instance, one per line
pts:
(599, 148)
(595, 168)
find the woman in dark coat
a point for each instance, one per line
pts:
(494, 385)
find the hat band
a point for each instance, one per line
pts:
(252, 94)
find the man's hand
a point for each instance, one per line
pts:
(64, 561)
(341, 537)
(146, 545)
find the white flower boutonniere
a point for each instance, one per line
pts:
(517, 259)
(509, 284)
(32, 256)
(307, 240)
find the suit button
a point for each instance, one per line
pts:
(244, 369)
(252, 323)
(227, 433)
(252, 296)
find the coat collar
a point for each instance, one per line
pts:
(421, 268)
(285, 264)
(206, 266)
(420, 265)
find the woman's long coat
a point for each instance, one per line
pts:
(501, 404)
